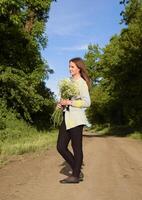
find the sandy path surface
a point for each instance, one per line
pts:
(112, 169)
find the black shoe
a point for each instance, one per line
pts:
(70, 179)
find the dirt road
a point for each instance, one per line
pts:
(112, 169)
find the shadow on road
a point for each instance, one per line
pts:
(66, 169)
(90, 135)
(117, 131)
(104, 135)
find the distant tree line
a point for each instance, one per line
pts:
(116, 73)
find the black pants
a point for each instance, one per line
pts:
(64, 137)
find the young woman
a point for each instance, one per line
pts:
(74, 119)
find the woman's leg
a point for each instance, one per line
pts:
(62, 145)
(76, 141)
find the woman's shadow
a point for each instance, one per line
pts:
(66, 169)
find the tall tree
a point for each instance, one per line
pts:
(92, 58)
(22, 69)
(121, 63)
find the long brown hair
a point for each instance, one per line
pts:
(83, 71)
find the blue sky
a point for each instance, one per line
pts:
(72, 26)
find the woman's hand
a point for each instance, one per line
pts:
(59, 106)
(65, 102)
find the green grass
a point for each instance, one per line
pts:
(136, 135)
(18, 138)
(28, 144)
(35, 142)
(120, 131)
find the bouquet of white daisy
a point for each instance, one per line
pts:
(67, 90)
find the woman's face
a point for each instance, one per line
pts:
(74, 70)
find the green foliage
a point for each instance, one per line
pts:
(136, 135)
(3, 113)
(18, 137)
(96, 112)
(92, 58)
(117, 98)
(132, 7)
(22, 69)
(57, 117)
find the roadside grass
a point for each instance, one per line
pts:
(120, 131)
(19, 138)
(136, 135)
(35, 142)
(28, 144)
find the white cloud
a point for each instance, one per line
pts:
(75, 48)
(66, 25)
(67, 29)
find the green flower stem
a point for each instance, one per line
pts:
(57, 117)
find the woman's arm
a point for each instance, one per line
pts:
(85, 101)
